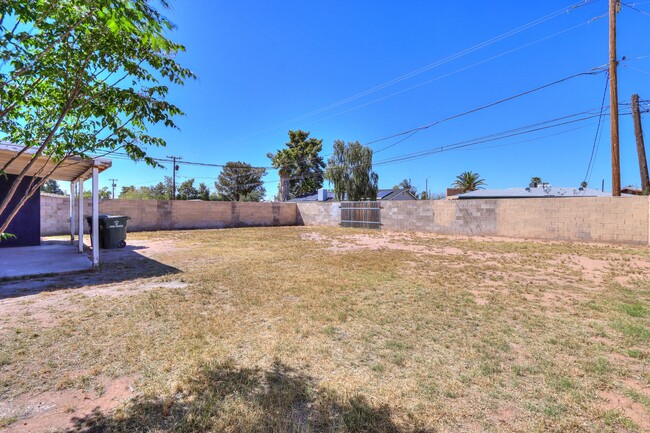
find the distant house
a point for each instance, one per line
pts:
(631, 190)
(545, 191)
(382, 195)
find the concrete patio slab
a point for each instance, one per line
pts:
(40, 260)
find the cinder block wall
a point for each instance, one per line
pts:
(167, 215)
(597, 219)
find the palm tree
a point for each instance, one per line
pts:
(534, 181)
(469, 181)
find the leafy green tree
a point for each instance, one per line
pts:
(301, 163)
(81, 78)
(203, 192)
(534, 181)
(350, 170)
(469, 181)
(52, 187)
(187, 191)
(160, 191)
(407, 184)
(239, 181)
(102, 193)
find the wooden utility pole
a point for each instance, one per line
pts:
(640, 145)
(614, 5)
(113, 184)
(174, 169)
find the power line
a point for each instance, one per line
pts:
(598, 130)
(412, 131)
(567, 9)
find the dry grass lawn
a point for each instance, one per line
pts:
(308, 329)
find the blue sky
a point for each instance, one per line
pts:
(267, 67)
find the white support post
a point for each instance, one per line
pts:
(95, 228)
(80, 214)
(72, 213)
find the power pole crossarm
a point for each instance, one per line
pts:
(640, 144)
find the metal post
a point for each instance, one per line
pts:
(95, 227)
(72, 190)
(80, 214)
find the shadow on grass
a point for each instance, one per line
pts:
(225, 398)
(117, 265)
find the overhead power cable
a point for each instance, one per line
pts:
(598, 130)
(412, 131)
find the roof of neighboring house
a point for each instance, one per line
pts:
(72, 168)
(633, 190)
(551, 191)
(382, 194)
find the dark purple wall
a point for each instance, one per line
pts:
(26, 225)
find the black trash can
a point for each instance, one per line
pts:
(112, 230)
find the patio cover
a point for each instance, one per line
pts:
(74, 170)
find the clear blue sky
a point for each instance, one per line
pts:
(267, 67)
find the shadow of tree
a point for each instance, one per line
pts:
(117, 265)
(225, 398)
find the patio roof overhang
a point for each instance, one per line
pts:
(72, 169)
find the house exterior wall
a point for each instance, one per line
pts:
(169, 215)
(592, 219)
(26, 225)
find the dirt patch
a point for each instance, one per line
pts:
(633, 410)
(56, 410)
(46, 309)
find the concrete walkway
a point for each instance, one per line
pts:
(40, 260)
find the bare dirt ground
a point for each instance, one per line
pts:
(303, 329)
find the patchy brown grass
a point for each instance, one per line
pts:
(319, 329)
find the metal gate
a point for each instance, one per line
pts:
(361, 214)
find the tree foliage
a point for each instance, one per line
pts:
(81, 77)
(52, 187)
(301, 162)
(407, 184)
(535, 180)
(187, 191)
(239, 181)
(102, 193)
(159, 191)
(469, 181)
(350, 170)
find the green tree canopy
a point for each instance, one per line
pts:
(534, 181)
(203, 192)
(102, 193)
(52, 187)
(187, 191)
(239, 181)
(407, 184)
(82, 78)
(301, 162)
(350, 170)
(469, 181)
(159, 191)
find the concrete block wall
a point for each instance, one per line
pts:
(591, 219)
(168, 215)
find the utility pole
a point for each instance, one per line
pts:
(614, 6)
(174, 170)
(426, 187)
(113, 184)
(640, 145)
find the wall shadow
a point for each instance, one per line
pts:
(117, 265)
(225, 398)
